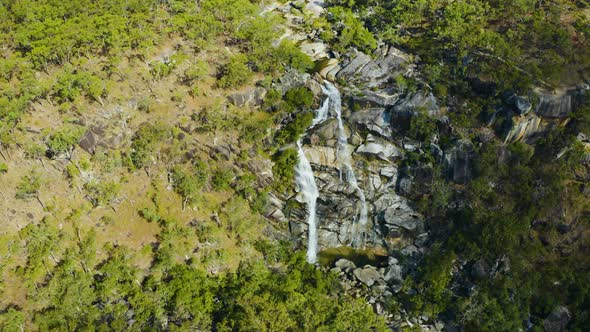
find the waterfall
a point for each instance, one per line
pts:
(344, 157)
(305, 180)
(307, 187)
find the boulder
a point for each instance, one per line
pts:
(380, 98)
(522, 105)
(367, 275)
(291, 79)
(262, 168)
(551, 106)
(393, 273)
(322, 155)
(315, 50)
(459, 159)
(521, 128)
(328, 66)
(389, 172)
(418, 101)
(519, 104)
(379, 148)
(357, 61)
(388, 64)
(88, 142)
(315, 87)
(344, 264)
(331, 74)
(401, 215)
(251, 97)
(328, 131)
(376, 120)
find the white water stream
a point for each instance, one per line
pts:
(344, 157)
(307, 187)
(305, 180)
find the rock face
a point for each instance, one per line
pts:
(366, 71)
(373, 151)
(559, 104)
(551, 110)
(418, 101)
(316, 50)
(460, 160)
(557, 320)
(525, 127)
(252, 97)
(379, 148)
(376, 120)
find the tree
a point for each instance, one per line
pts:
(64, 139)
(351, 31)
(187, 185)
(29, 186)
(102, 192)
(145, 142)
(284, 168)
(235, 73)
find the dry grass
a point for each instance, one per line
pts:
(214, 247)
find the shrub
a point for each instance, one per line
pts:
(299, 97)
(351, 31)
(290, 55)
(145, 104)
(102, 193)
(149, 214)
(63, 139)
(196, 72)
(72, 83)
(145, 142)
(29, 185)
(235, 73)
(186, 184)
(422, 127)
(222, 179)
(291, 132)
(284, 168)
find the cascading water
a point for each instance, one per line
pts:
(307, 187)
(344, 157)
(305, 180)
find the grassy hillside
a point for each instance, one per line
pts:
(126, 196)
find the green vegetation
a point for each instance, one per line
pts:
(513, 229)
(186, 184)
(299, 97)
(63, 140)
(236, 73)
(350, 31)
(29, 185)
(102, 193)
(145, 143)
(294, 129)
(513, 43)
(284, 168)
(156, 223)
(114, 246)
